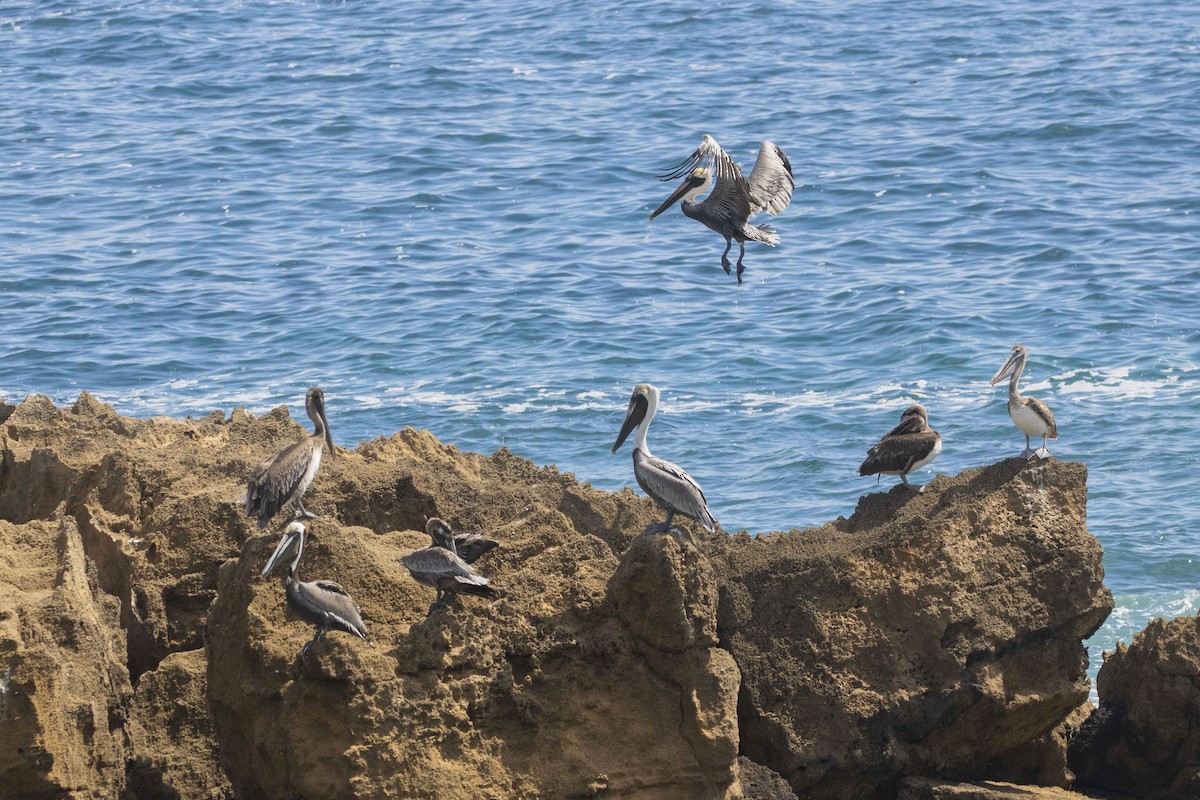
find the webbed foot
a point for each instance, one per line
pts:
(1027, 453)
(1041, 452)
(740, 269)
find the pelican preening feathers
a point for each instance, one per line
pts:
(321, 602)
(281, 480)
(734, 199)
(1031, 416)
(909, 446)
(448, 574)
(667, 483)
(470, 547)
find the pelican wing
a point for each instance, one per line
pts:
(328, 599)
(1043, 411)
(897, 452)
(771, 182)
(672, 487)
(274, 480)
(472, 546)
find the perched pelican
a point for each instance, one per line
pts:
(447, 573)
(667, 483)
(281, 479)
(322, 602)
(909, 446)
(735, 199)
(1031, 416)
(467, 546)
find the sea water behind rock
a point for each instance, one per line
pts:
(438, 212)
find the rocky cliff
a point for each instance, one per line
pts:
(142, 656)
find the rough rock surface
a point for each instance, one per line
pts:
(926, 789)
(1144, 738)
(929, 634)
(142, 656)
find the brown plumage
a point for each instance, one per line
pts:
(909, 446)
(282, 479)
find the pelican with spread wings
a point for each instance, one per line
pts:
(734, 198)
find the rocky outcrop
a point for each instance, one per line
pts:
(1144, 738)
(934, 634)
(929, 634)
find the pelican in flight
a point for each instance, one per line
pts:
(281, 480)
(909, 446)
(447, 573)
(667, 483)
(734, 199)
(321, 602)
(467, 546)
(1031, 416)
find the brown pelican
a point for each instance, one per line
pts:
(1031, 416)
(667, 483)
(324, 603)
(467, 546)
(281, 479)
(735, 199)
(447, 573)
(909, 446)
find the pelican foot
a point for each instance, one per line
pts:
(1027, 453)
(1041, 452)
(659, 528)
(727, 265)
(740, 269)
(912, 487)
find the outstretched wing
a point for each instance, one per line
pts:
(771, 181)
(730, 194)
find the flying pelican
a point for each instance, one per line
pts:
(322, 602)
(909, 446)
(667, 483)
(467, 546)
(447, 573)
(281, 480)
(735, 199)
(1031, 416)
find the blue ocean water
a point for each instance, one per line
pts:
(438, 212)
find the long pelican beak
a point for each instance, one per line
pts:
(633, 417)
(1010, 366)
(289, 548)
(328, 435)
(689, 183)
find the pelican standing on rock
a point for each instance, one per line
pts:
(281, 480)
(734, 199)
(909, 446)
(470, 547)
(321, 602)
(1031, 416)
(447, 573)
(667, 483)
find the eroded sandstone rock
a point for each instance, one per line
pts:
(929, 634)
(1144, 738)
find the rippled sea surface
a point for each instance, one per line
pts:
(438, 212)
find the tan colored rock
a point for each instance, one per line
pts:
(928, 634)
(64, 691)
(927, 789)
(937, 632)
(1144, 738)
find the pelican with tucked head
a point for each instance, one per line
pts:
(323, 603)
(734, 198)
(282, 479)
(1031, 416)
(909, 446)
(666, 483)
(448, 574)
